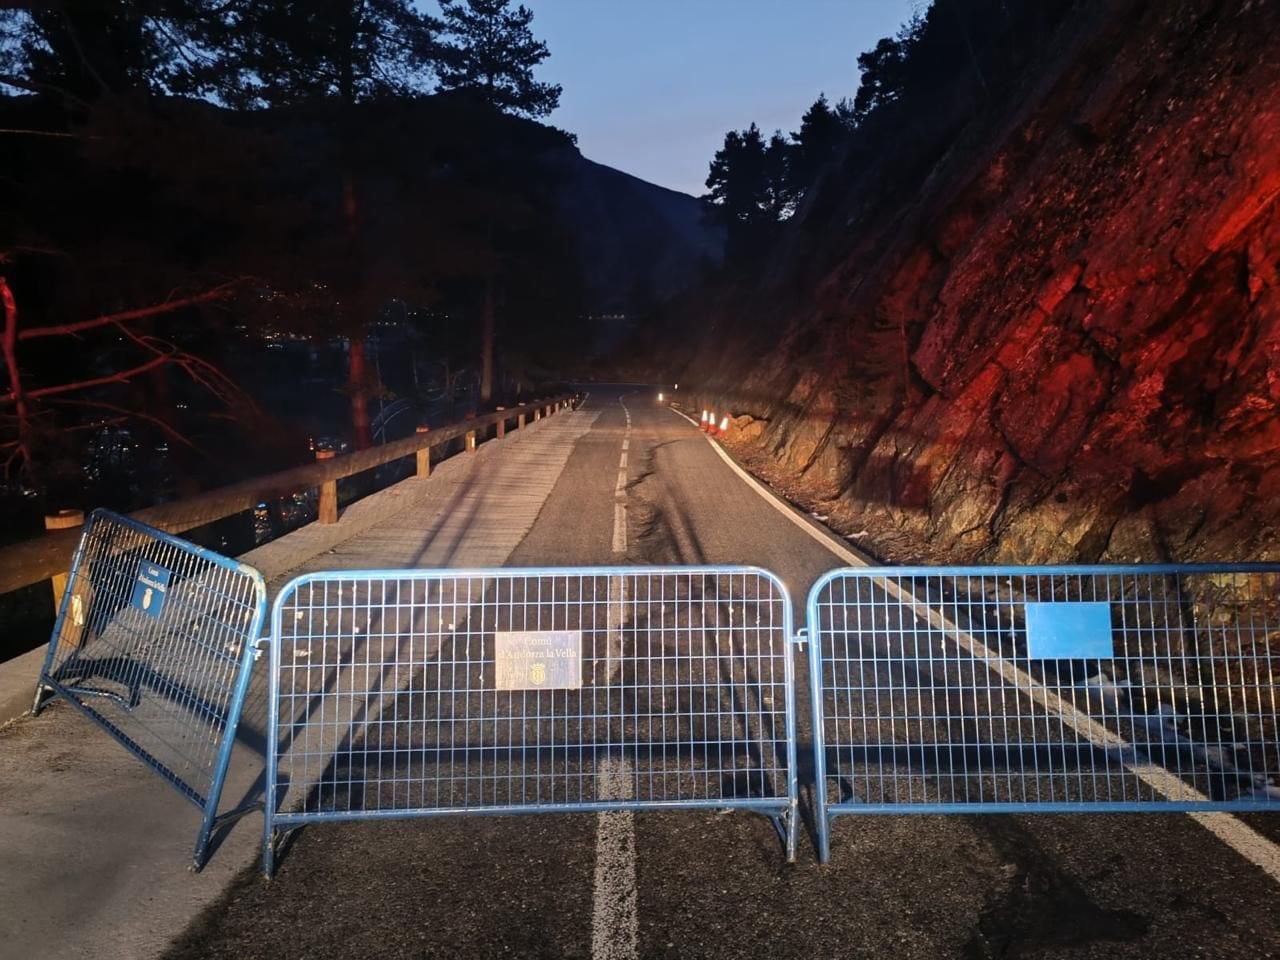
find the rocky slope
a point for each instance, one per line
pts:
(1064, 342)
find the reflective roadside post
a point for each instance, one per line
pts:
(424, 453)
(328, 493)
(62, 520)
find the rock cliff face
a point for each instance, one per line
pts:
(1066, 345)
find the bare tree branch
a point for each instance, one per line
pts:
(126, 414)
(123, 376)
(221, 292)
(48, 133)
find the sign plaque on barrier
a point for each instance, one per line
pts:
(149, 588)
(538, 659)
(1068, 631)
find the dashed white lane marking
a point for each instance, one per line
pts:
(615, 923)
(1236, 834)
(619, 528)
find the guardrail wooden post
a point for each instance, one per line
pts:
(520, 421)
(471, 441)
(424, 455)
(537, 414)
(502, 425)
(62, 520)
(328, 493)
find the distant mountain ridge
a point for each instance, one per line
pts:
(639, 243)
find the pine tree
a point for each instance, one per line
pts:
(749, 187)
(736, 181)
(85, 49)
(823, 130)
(343, 51)
(492, 55)
(290, 51)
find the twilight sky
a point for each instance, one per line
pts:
(651, 86)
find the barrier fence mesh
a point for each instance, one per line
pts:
(1054, 687)
(154, 641)
(416, 692)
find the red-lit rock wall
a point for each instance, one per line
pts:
(1069, 348)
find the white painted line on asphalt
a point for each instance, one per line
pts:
(615, 923)
(1236, 834)
(616, 614)
(619, 528)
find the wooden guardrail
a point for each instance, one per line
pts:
(31, 561)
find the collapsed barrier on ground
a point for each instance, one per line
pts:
(1045, 689)
(409, 693)
(154, 641)
(400, 693)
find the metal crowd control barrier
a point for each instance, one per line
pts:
(154, 641)
(420, 693)
(1043, 689)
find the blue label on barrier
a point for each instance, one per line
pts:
(149, 588)
(1068, 631)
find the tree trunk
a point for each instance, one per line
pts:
(358, 383)
(486, 346)
(10, 343)
(357, 368)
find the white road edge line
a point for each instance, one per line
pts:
(1232, 831)
(615, 919)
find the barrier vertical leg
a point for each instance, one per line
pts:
(821, 819)
(502, 426)
(520, 422)
(471, 441)
(236, 707)
(63, 604)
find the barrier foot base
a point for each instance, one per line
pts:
(201, 855)
(43, 695)
(786, 825)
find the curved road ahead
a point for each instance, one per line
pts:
(711, 884)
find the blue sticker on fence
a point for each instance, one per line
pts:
(1068, 631)
(149, 588)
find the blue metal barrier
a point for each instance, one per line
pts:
(399, 693)
(1045, 689)
(154, 641)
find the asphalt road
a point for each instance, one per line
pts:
(706, 883)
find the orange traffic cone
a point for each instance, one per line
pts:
(703, 426)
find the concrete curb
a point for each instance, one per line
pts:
(18, 683)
